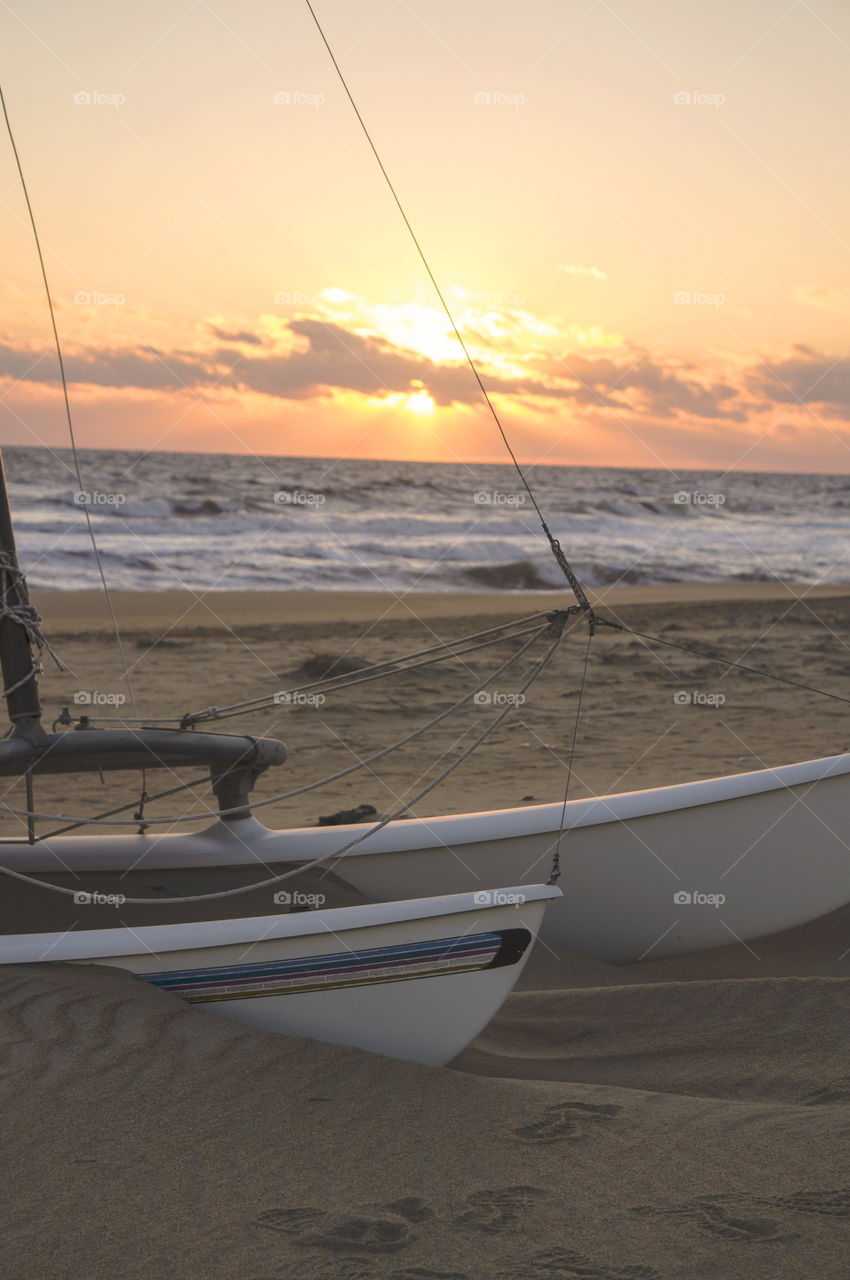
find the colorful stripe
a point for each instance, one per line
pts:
(347, 969)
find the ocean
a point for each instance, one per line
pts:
(226, 522)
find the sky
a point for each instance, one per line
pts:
(637, 214)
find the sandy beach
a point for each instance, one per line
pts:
(678, 1119)
(188, 652)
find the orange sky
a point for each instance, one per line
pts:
(637, 212)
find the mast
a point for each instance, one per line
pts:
(16, 656)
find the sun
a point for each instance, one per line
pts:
(420, 403)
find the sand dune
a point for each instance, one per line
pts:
(681, 1130)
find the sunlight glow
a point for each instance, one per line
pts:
(420, 403)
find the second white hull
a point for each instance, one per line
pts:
(414, 980)
(772, 844)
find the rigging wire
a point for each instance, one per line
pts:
(554, 544)
(327, 858)
(727, 662)
(391, 666)
(76, 461)
(307, 786)
(555, 871)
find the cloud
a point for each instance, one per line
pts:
(241, 335)
(575, 269)
(806, 377)
(824, 297)
(308, 357)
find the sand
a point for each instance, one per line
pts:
(187, 653)
(678, 1119)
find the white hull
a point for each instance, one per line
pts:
(774, 843)
(415, 980)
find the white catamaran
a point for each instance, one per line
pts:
(381, 963)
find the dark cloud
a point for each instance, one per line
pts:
(807, 377)
(241, 335)
(328, 356)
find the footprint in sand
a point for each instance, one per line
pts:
(836, 1091)
(566, 1120)
(412, 1209)
(425, 1273)
(320, 1268)
(825, 1204)
(499, 1210)
(559, 1262)
(316, 1228)
(713, 1214)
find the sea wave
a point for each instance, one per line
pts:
(213, 522)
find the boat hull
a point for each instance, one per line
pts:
(772, 844)
(415, 980)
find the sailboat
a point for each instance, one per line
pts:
(411, 979)
(380, 963)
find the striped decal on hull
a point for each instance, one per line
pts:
(349, 969)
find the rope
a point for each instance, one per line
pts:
(392, 666)
(58, 347)
(329, 858)
(555, 871)
(15, 605)
(308, 786)
(727, 662)
(555, 546)
(107, 813)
